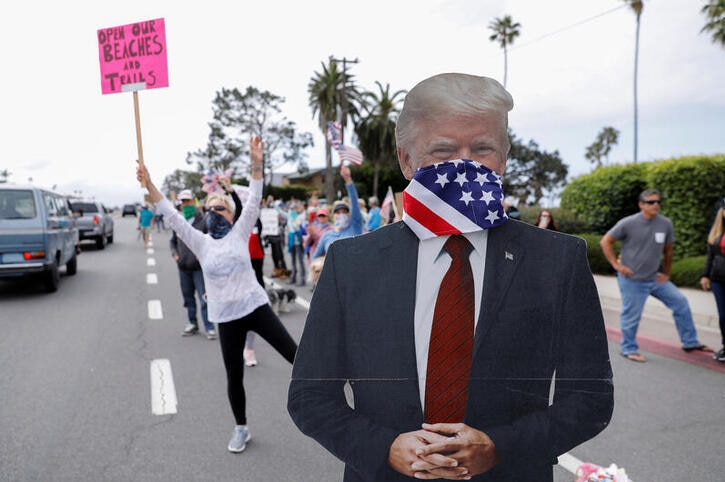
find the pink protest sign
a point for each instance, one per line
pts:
(133, 57)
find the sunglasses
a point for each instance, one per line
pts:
(218, 208)
(653, 201)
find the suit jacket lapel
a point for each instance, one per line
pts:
(503, 257)
(401, 251)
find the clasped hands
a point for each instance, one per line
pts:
(452, 451)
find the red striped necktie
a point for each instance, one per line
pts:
(451, 339)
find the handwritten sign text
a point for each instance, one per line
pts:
(133, 56)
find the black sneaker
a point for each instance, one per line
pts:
(720, 355)
(190, 330)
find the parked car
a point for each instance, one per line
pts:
(94, 221)
(38, 234)
(128, 209)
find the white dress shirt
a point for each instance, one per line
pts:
(433, 262)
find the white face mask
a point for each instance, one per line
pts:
(342, 221)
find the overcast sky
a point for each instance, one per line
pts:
(570, 73)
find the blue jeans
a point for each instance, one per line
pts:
(718, 290)
(298, 264)
(634, 296)
(193, 282)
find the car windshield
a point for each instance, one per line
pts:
(17, 204)
(81, 207)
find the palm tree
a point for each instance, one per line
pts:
(602, 146)
(376, 128)
(637, 6)
(504, 32)
(714, 11)
(333, 97)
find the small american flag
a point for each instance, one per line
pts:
(334, 134)
(347, 153)
(210, 180)
(350, 154)
(387, 205)
(470, 203)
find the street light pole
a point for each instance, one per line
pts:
(343, 98)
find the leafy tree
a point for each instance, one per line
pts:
(5, 175)
(532, 173)
(637, 6)
(714, 11)
(600, 148)
(180, 180)
(504, 32)
(238, 115)
(376, 129)
(389, 175)
(333, 96)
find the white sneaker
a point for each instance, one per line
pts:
(190, 330)
(250, 359)
(239, 440)
(211, 334)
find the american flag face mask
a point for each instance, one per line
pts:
(453, 197)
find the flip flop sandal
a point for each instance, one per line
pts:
(635, 357)
(704, 348)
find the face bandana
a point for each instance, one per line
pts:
(188, 211)
(216, 225)
(342, 221)
(453, 197)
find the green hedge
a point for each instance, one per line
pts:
(685, 272)
(597, 262)
(691, 188)
(606, 195)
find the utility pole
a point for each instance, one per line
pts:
(343, 98)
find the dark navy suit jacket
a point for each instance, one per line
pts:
(540, 320)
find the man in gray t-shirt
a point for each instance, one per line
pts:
(642, 271)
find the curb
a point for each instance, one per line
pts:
(669, 350)
(702, 303)
(656, 309)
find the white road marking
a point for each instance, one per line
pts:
(155, 311)
(302, 302)
(150, 251)
(163, 393)
(152, 279)
(151, 262)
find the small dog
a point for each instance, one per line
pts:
(315, 270)
(279, 298)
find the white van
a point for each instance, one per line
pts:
(38, 234)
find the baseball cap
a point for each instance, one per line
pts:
(185, 194)
(323, 212)
(340, 205)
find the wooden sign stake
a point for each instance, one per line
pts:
(137, 118)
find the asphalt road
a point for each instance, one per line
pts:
(76, 401)
(76, 391)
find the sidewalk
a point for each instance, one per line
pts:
(657, 332)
